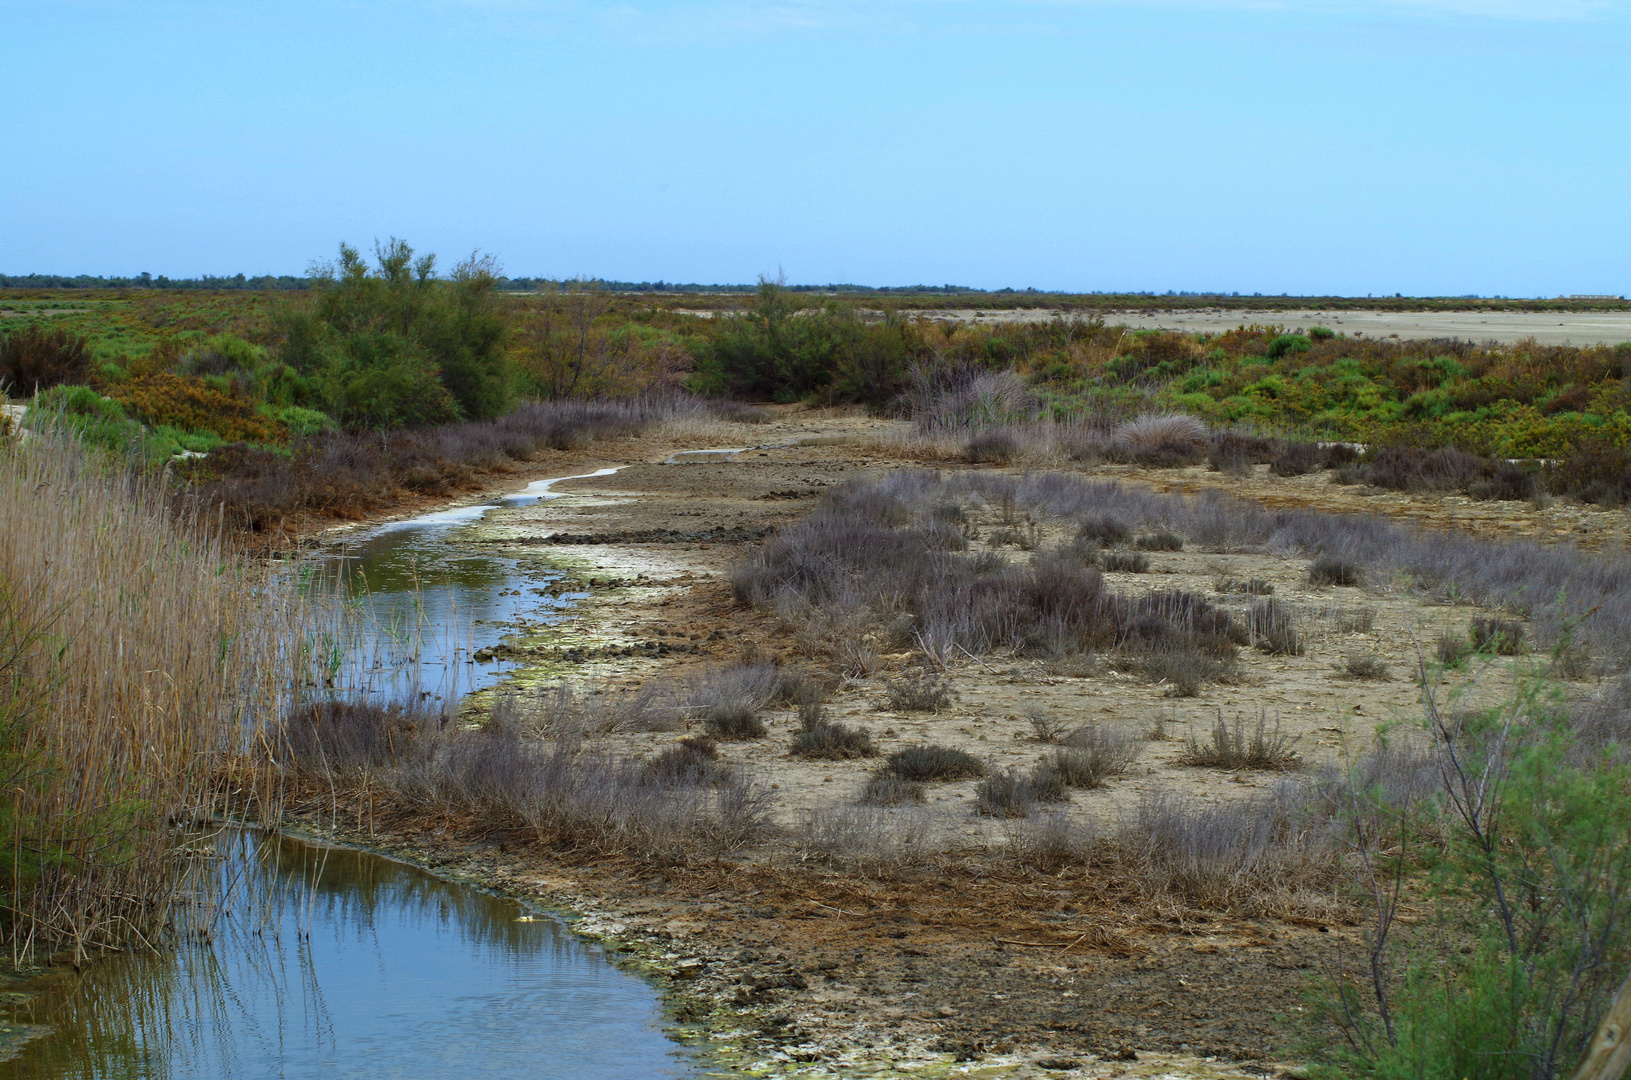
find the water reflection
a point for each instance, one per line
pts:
(424, 603)
(322, 962)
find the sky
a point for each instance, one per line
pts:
(1429, 147)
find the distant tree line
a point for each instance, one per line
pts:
(148, 281)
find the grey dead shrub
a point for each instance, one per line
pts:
(1363, 666)
(1331, 571)
(1161, 541)
(883, 789)
(568, 711)
(1236, 747)
(1048, 840)
(1094, 753)
(1045, 728)
(870, 839)
(931, 761)
(923, 691)
(823, 738)
(1503, 637)
(1184, 672)
(1013, 793)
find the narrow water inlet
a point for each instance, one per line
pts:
(313, 962)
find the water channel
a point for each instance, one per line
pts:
(309, 962)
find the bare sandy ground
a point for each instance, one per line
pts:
(1554, 328)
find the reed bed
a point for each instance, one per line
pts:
(138, 650)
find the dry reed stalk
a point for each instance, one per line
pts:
(153, 651)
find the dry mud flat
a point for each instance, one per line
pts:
(794, 967)
(1548, 328)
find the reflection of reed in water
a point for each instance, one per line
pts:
(245, 986)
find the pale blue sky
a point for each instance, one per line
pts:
(1348, 146)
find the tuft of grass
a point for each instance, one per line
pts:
(1092, 755)
(1233, 747)
(1451, 649)
(729, 699)
(1363, 666)
(1013, 793)
(1184, 671)
(1503, 637)
(882, 789)
(691, 760)
(1161, 541)
(820, 737)
(1274, 629)
(932, 762)
(1297, 459)
(1329, 571)
(1101, 530)
(1045, 728)
(1356, 621)
(1252, 587)
(1125, 562)
(920, 692)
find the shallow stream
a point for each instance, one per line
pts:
(323, 962)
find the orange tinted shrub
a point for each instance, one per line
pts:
(185, 402)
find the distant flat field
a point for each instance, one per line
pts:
(1555, 328)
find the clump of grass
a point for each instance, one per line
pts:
(1232, 747)
(820, 737)
(1161, 541)
(1363, 666)
(1093, 754)
(735, 723)
(1356, 621)
(1503, 637)
(994, 446)
(1014, 793)
(1274, 629)
(1451, 649)
(932, 762)
(883, 789)
(1125, 562)
(1251, 587)
(1185, 671)
(1329, 571)
(1101, 530)
(729, 699)
(922, 691)
(692, 760)
(1297, 459)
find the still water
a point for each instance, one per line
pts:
(325, 962)
(425, 602)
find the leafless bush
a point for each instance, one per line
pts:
(1231, 747)
(932, 762)
(692, 760)
(1047, 729)
(1015, 792)
(994, 446)
(883, 789)
(1183, 671)
(1160, 440)
(922, 691)
(873, 840)
(575, 711)
(1235, 453)
(1048, 840)
(1099, 530)
(949, 400)
(1093, 754)
(1503, 637)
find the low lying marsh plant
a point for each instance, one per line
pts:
(883, 789)
(932, 762)
(1095, 753)
(923, 691)
(1014, 793)
(1233, 747)
(869, 839)
(820, 737)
